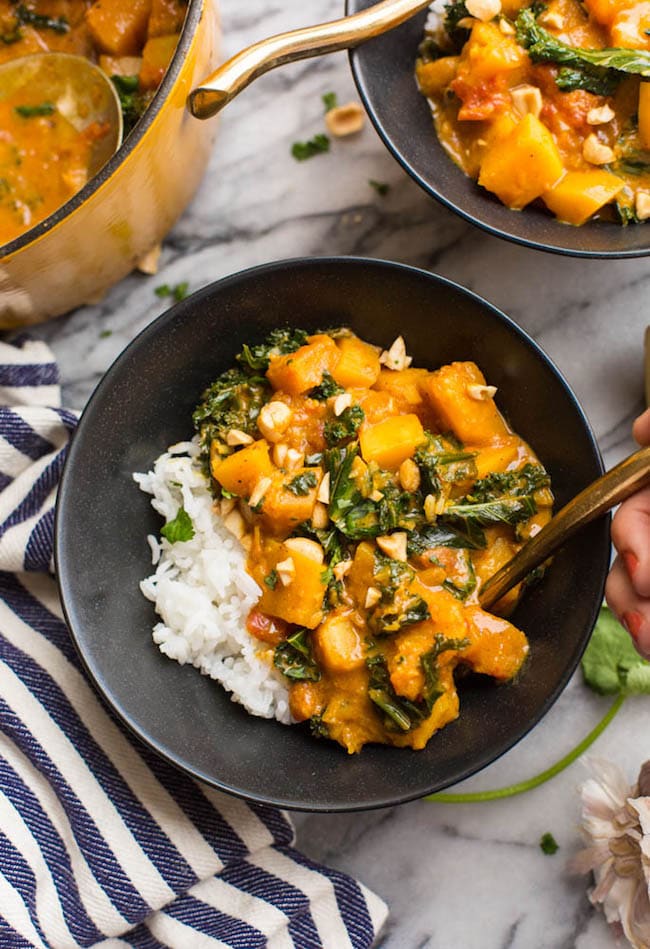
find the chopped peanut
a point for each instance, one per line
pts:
(345, 119)
(373, 596)
(526, 98)
(235, 523)
(286, 571)
(323, 493)
(642, 205)
(279, 454)
(481, 393)
(320, 516)
(260, 489)
(394, 545)
(236, 437)
(341, 568)
(273, 420)
(306, 547)
(409, 475)
(341, 402)
(483, 9)
(294, 459)
(395, 357)
(594, 151)
(600, 116)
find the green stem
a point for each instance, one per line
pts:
(540, 778)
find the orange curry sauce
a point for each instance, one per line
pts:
(350, 490)
(528, 129)
(44, 160)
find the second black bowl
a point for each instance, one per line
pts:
(384, 70)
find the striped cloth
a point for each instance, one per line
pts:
(101, 842)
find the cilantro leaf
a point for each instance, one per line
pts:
(611, 664)
(301, 151)
(330, 100)
(180, 529)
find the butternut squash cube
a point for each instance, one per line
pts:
(603, 11)
(301, 601)
(156, 56)
(523, 165)
(392, 441)
(644, 114)
(434, 77)
(358, 364)
(119, 28)
(240, 472)
(579, 194)
(404, 386)
(629, 27)
(166, 17)
(497, 458)
(450, 393)
(282, 508)
(303, 369)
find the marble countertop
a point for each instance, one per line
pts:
(468, 875)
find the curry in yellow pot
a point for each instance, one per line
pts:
(374, 498)
(545, 103)
(44, 155)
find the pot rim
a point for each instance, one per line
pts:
(188, 30)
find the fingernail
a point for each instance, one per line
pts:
(633, 622)
(631, 562)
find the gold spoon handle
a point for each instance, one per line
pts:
(612, 488)
(234, 75)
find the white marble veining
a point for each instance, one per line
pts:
(454, 876)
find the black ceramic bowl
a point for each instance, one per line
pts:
(384, 70)
(144, 403)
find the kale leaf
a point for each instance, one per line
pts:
(542, 46)
(232, 401)
(343, 427)
(293, 657)
(328, 387)
(302, 484)
(278, 342)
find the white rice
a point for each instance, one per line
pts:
(202, 592)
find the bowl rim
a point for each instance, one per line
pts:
(129, 142)
(159, 324)
(354, 55)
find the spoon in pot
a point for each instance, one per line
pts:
(233, 76)
(599, 497)
(72, 86)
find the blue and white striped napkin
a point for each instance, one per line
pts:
(101, 842)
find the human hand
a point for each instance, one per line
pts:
(628, 586)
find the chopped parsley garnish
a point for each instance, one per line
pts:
(32, 111)
(548, 844)
(180, 529)
(301, 151)
(271, 580)
(178, 292)
(381, 187)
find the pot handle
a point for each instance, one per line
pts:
(238, 72)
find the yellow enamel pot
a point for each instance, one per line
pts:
(99, 235)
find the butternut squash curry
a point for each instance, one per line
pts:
(373, 499)
(43, 157)
(546, 102)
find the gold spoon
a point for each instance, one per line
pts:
(603, 494)
(78, 90)
(233, 76)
